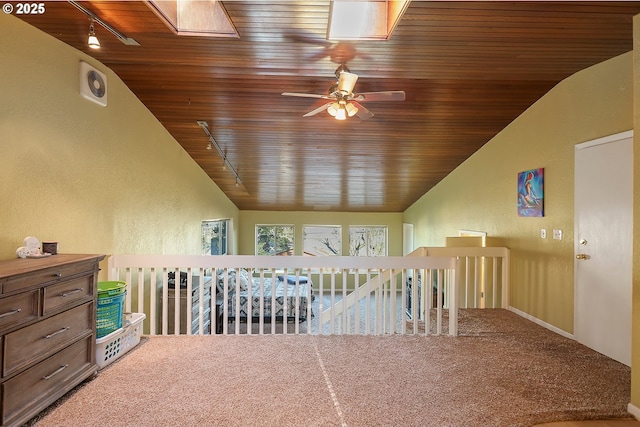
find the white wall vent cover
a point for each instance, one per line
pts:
(93, 84)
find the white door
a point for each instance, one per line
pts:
(603, 245)
(407, 239)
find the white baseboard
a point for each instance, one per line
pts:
(634, 410)
(541, 323)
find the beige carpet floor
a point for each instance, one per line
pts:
(502, 371)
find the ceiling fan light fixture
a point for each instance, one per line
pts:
(333, 109)
(341, 114)
(352, 110)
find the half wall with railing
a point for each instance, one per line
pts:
(416, 294)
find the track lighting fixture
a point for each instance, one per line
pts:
(226, 165)
(93, 41)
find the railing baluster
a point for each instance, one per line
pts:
(439, 302)
(309, 302)
(427, 288)
(127, 279)
(379, 305)
(320, 301)
(477, 282)
(345, 309)
(285, 302)
(140, 290)
(333, 301)
(495, 283)
(368, 303)
(261, 321)
(178, 292)
(403, 301)
(153, 310)
(273, 300)
(225, 301)
(467, 280)
(296, 313)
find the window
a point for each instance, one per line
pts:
(322, 240)
(215, 235)
(368, 241)
(274, 239)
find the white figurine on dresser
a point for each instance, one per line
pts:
(31, 249)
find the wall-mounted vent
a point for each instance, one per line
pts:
(93, 84)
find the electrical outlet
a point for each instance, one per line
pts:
(557, 234)
(543, 233)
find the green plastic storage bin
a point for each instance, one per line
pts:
(110, 309)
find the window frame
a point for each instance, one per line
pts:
(336, 231)
(223, 239)
(289, 251)
(367, 245)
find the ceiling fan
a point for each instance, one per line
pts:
(343, 102)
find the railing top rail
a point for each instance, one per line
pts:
(292, 262)
(490, 251)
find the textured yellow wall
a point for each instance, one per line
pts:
(481, 193)
(96, 179)
(249, 219)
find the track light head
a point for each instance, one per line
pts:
(92, 41)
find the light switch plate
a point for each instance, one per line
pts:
(557, 234)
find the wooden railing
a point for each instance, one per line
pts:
(349, 295)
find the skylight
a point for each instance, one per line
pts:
(195, 17)
(364, 20)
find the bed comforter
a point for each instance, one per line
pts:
(282, 298)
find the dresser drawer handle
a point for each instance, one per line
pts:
(65, 329)
(10, 313)
(56, 372)
(75, 291)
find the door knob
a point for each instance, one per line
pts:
(581, 256)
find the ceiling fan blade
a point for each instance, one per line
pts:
(391, 95)
(303, 36)
(363, 113)
(318, 110)
(306, 95)
(347, 82)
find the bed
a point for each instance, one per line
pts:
(249, 290)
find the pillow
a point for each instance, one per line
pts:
(292, 279)
(244, 280)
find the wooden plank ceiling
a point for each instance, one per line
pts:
(468, 70)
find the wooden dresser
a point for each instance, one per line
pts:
(47, 331)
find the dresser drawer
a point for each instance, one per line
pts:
(38, 277)
(67, 293)
(34, 342)
(17, 309)
(49, 377)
